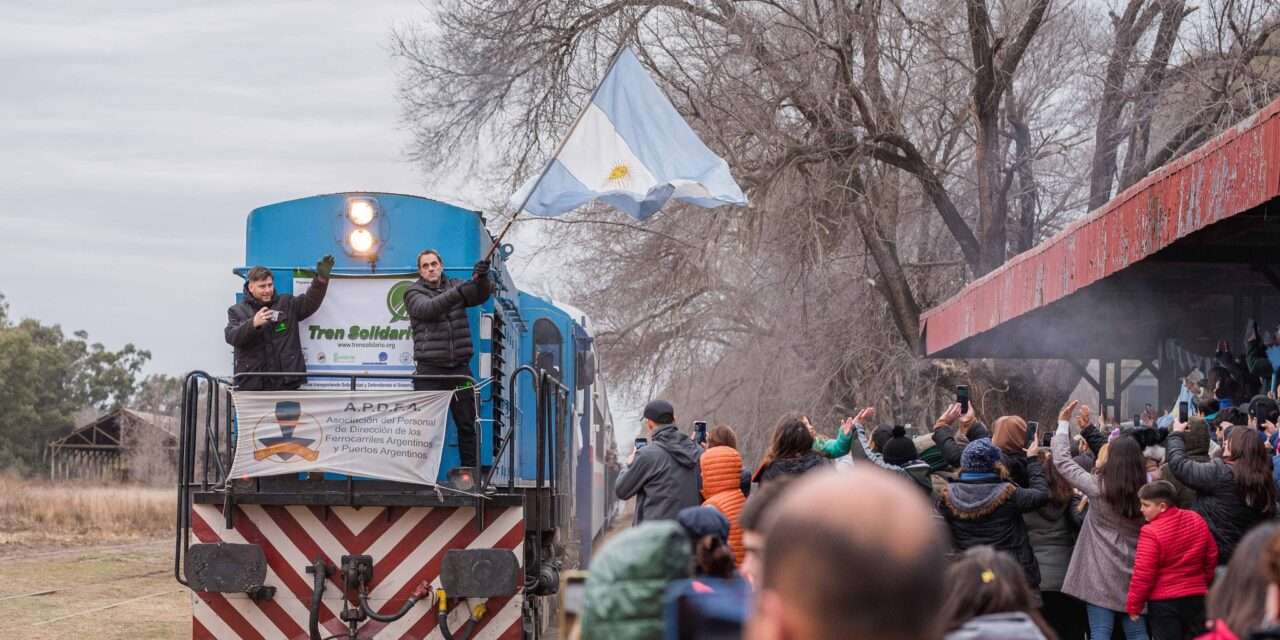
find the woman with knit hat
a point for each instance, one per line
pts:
(721, 472)
(982, 508)
(889, 448)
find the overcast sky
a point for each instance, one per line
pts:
(138, 134)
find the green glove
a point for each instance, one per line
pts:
(324, 267)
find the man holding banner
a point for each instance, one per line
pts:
(437, 307)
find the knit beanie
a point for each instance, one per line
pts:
(898, 449)
(1010, 434)
(980, 456)
(704, 521)
(1196, 437)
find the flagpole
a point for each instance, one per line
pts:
(560, 147)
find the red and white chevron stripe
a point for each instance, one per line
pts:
(407, 546)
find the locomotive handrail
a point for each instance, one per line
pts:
(511, 429)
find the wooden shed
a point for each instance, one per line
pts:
(112, 446)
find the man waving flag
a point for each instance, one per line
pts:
(631, 150)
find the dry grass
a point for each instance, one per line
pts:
(74, 513)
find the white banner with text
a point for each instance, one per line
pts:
(387, 435)
(362, 327)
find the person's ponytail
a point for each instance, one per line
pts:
(713, 557)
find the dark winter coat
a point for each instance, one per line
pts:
(989, 512)
(664, 477)
(1225, 511)
(1052, 532)
(790, 466)
(629, 576)
(275, 346)
(952, 443)
(438, 317)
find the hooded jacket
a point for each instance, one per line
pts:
(275, 346)
(721, 473)
(985, 510)
(438, 317)
(795, 466)
(629, 576)
(1195, 442)
(1011, 625)
(1226, 513)
(664, 477)
(1052, 532)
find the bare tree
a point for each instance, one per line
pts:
(889, 148)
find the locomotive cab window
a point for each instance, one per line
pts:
(547, 343)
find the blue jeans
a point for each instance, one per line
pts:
(1102, 621)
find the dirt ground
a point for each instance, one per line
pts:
(104, 592)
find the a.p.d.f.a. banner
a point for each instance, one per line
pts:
(388, 435)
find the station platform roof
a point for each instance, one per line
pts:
(1187, 254)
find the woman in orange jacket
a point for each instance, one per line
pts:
(721, 476)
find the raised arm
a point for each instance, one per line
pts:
(307, 303)
(424, 307)
(1037, 494)
(1198, 476)
(1060, 447)
(874, 456)
(634, 477)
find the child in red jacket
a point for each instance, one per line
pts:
(1173, 567)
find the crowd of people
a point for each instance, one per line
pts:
(1162, 528)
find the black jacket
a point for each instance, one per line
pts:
(790, 466)
(952, 449)
(438, 317)
(664, 476)
(1225, 511)
(275, 346)
(989, 512)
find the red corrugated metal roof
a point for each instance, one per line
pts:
(1231, 174)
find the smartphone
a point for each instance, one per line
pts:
(573, 597)
(962, 396)
(275, 315)
(1032, 428)
(1182, 411)
(1137, 421)
(700, 432)
(641, 442)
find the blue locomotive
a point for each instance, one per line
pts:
(328, 555)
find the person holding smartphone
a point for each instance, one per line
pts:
(663, 476)
(263, 329)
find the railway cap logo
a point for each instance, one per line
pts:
(279, 443)
(395, 300)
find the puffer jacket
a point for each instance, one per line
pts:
(721, 474)
(438, 317)
(982, 509)
(629, 576)
(1012, 625)
(275, 346)
(1052, 533)
(664, 477)
(1226, 513)
(790, 467)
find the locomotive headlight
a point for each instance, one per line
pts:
(361, 240)
(360, 212)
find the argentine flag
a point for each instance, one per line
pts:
(631, 150)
